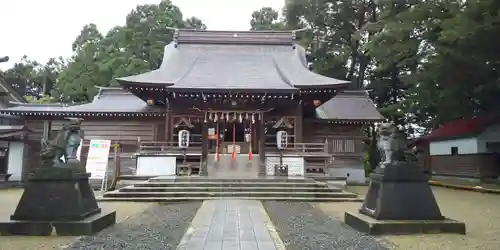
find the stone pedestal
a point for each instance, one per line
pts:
(400, 201)
(59, 198)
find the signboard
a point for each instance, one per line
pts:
(97, 159)
(156, 165)
(295, 165)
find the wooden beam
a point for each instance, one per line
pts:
(299, 124)
(183, 122)
(204, 149)
(168, 118)
(283, 122)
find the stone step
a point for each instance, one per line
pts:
(232, 179)
(229, 189)
(230, 184)
(187, 199)
(230, 194)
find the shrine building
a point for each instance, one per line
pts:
(232, 92)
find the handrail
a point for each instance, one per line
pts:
(303, 147)
(162, 146)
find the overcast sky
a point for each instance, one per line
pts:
(47, 28)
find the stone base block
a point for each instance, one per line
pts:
(372, 226)
(87, 226)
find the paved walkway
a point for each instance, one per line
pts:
(231, 224)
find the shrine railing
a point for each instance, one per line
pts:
(302, 148)
(165, 147)
(336, 145)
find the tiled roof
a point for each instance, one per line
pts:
(116, 101)
(211, 60)
(461, 128)
(349, 105)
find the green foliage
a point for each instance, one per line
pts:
(44, 99)
(266, 19)
(366, 164)
(98, 59)
(425, 62)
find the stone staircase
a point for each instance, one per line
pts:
(162, 189)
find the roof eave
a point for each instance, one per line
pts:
(449, 138)
(228, 90)
(82, 113)
(130, 83)
(322, 86)
(339, 120)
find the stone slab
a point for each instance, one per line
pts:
(372, 226)
(87, 226)
(231, 224)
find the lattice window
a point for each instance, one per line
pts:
(342, 146)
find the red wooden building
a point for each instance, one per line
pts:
(467, 148)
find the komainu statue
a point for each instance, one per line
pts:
(63, 148)
(391, 145)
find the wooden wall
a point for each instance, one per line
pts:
(345, 144)
(125, 131)
(342, 139)
(467, 165)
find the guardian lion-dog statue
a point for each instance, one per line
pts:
(390, 145)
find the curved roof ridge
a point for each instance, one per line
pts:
(191, 66)
(281, 74)
(235, 37)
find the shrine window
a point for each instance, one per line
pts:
(454, 150)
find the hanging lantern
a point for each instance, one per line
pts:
(253, 118)
(150, 101)
(227, 116)
(316, 103)
(210, 116)
(216, 117)
(240, 118)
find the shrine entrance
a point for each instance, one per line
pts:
(233, 144)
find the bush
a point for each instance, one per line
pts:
(366, 163)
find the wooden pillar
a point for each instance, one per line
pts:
(255, 137)
(262, 146)
(298, 126)
(204, 148)
(47, 128)
(168, 124)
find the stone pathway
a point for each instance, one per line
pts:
(231, 224)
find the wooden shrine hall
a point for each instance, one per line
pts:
(232, 92)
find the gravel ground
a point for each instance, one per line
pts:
(479, 211)
(302, 226)
(159, 227)
(9, 199)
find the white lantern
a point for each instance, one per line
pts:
(183, 139)
(281, 139)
